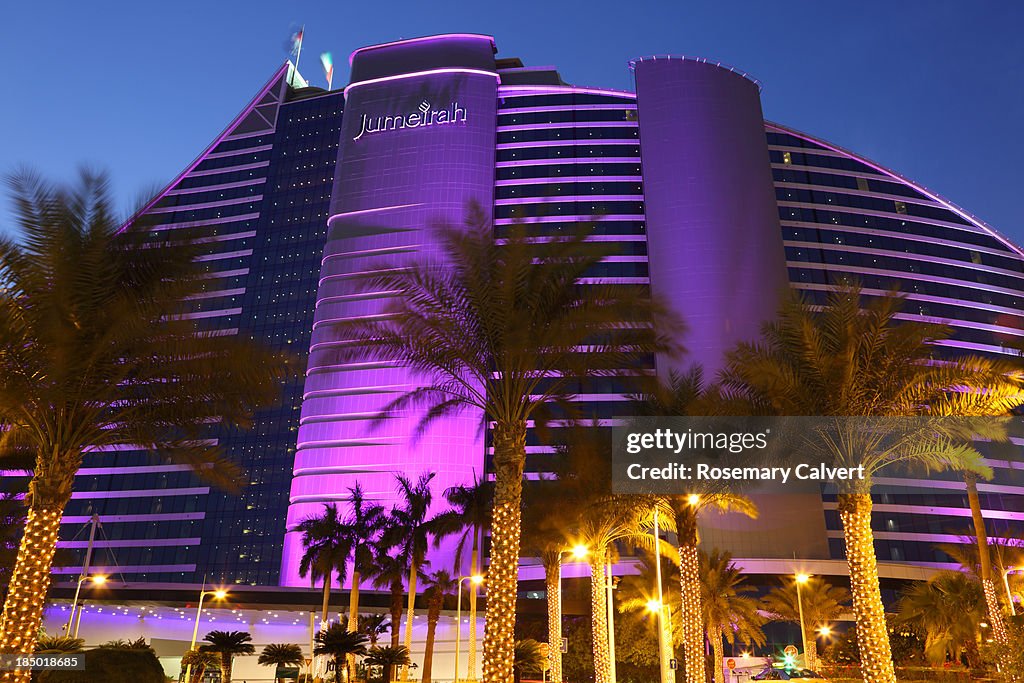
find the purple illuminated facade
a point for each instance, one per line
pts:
(416, 148)
(697, 196)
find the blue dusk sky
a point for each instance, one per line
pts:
(933, 89)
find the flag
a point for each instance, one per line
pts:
(328, 64)
(296, 41)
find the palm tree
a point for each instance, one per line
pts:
(389, 658)
(227, 644)
(373, 626)
(56, 644)
(338, 643)
(488, 328)
(948, 609)
(1006, 552)
(529, 658)
(410, 530)
(328, 542)
(547, 516)
(200, 661)
(440, 584)
(468, 517)
(729, 609)
(389, 573)
(278, 654)
(82, 367)
(363, 525)
(821, 601)
(685, 394)
(848, 361)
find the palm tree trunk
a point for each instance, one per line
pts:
(337, 670)
(872, 632)
(474, 569)
(225, 667)
(353, 620)
(716, 646)
(30, 580)
(811, 652)
(396, 612)
(326, 600)
(413, 570)
(428, 651)
(995, 612)
(988, 586)
(689, 591)
(503, 574)
(553, 585)
(599, 616)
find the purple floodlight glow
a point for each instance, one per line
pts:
(417, 74)
(442, 37)
(516, 90)
(389, 189)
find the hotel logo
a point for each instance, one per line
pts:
(425, 115)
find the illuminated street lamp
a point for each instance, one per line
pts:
(476, 580)
(658, 605)
(1009, 595)
(825, 631)
(97, 580)
(801, 579)
(218, 594)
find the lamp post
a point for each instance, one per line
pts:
(94, 523)
(218, 594)
(578, 552)
(97, 580)
(476, 580)
(663, 642)
(1009, 595)
(801, 579)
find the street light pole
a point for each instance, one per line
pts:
(610, 586)
(663, 642)
(800, 580)
(94, 522)
(98, 580)
(476, 580)
(218, 594)
(1009, 595)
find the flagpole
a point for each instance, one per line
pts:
(298, 53)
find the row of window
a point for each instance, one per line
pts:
(938, 249)
(568, 189)
(583, 168)
(791, 194)
(193, 198)
(597, 227)
(566, 116)
(234, 160)
(625, 133)
(899, 265)
(823, 276)
(581, 208)
(561, 99)
(568, 152)
(793, 175)
(839, 163)
(836, 216)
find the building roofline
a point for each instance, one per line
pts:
(700, 60)
(281, 71)
(974, 220)
(419, 39)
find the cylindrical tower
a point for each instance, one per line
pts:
(715, 248)
(416, 149)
